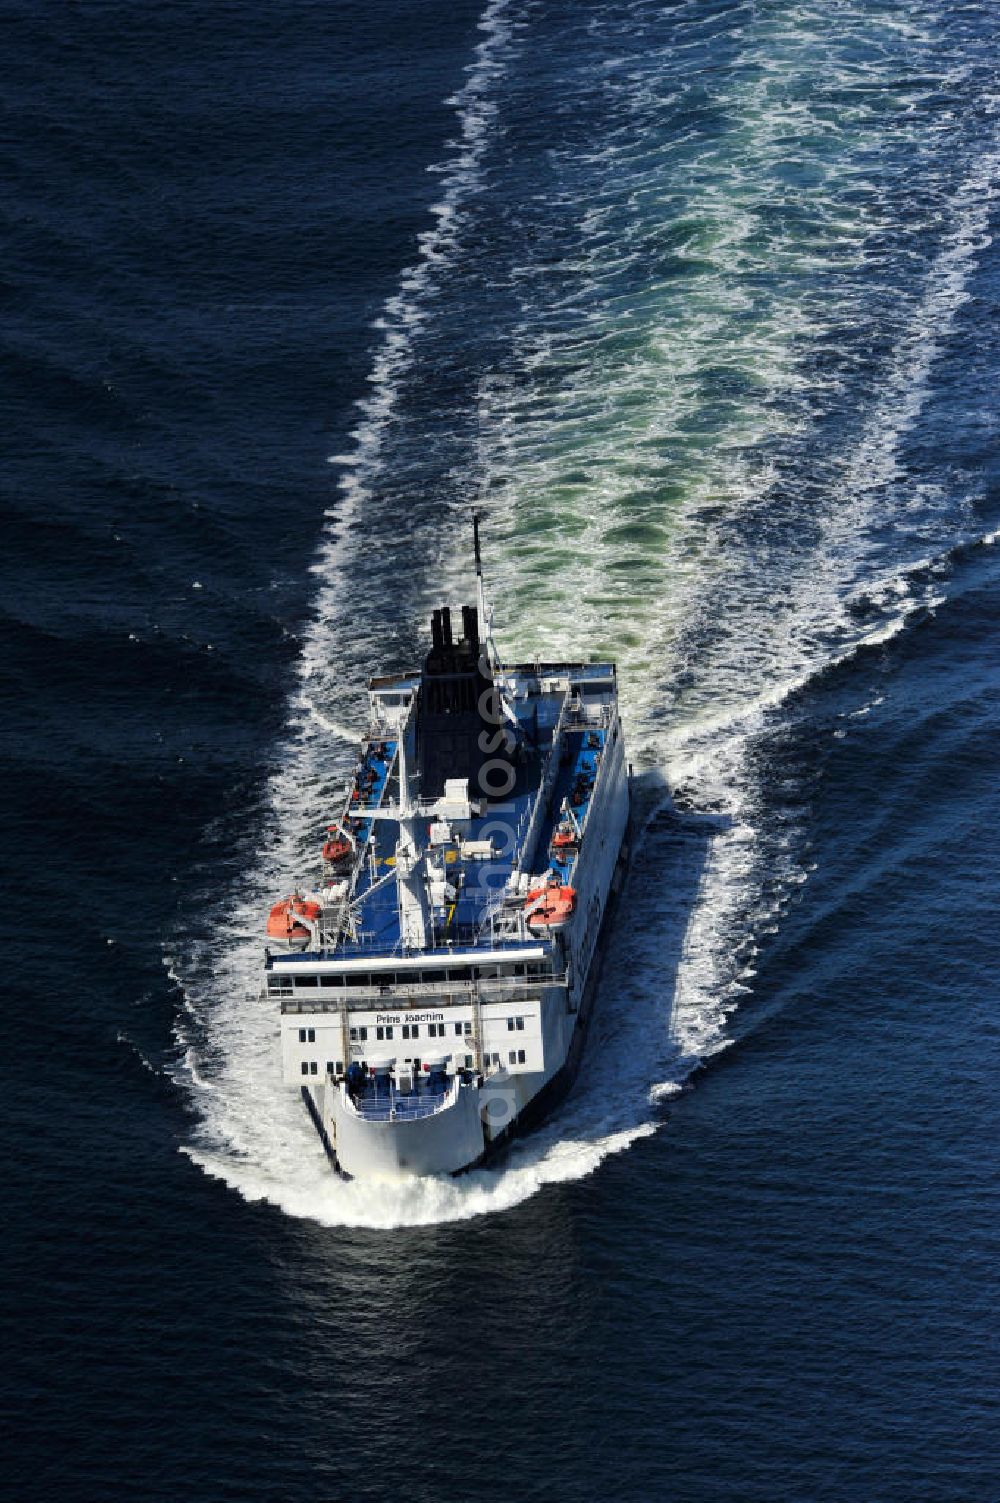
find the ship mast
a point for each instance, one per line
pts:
(485, 613)
(496, 668)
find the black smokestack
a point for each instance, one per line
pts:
(470, 627)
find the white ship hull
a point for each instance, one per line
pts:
(481, 1115)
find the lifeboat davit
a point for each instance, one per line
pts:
(284, 927)
(549, 907)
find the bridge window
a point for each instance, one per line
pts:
(307, 981)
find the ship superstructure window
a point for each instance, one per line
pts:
(307, 1035)
(305, 1067)
(520, 1024)
(520, 1056)
(436, 1030)
(411, 1030)
(358, 1035)
(307, 981)
(383, 1033)
(313, 1067)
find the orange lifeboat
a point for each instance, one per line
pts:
(549, 907)
(565, 839)
(337, 849)
(284, 928)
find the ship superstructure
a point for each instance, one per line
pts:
(435, 985)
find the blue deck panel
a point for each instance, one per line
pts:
(483, 880)
(582, 759)
(382, 768)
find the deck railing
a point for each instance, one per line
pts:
(441, 993)
(392, 1106)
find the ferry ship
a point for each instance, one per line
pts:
(436, 983)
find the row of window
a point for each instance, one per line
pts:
(336, 1067)
(384, 980)
(411, 1031)
(359, 1035)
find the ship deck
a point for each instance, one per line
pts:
(520, 829)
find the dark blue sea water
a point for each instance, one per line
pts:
(700, 301)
